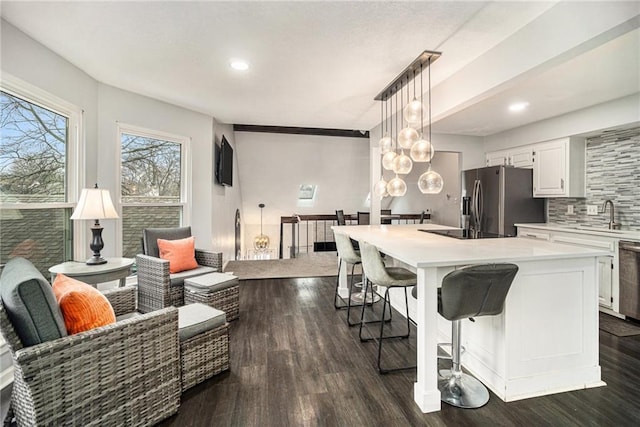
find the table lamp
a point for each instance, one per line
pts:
(95, 204)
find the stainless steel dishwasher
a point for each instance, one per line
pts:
(629, 262)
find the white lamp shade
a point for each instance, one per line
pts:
(94, 203)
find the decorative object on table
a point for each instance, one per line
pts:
(420, 148)
(110, 375)
(95, 204)
(261, 241)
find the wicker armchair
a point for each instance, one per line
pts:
(157, 288)
(126, 373)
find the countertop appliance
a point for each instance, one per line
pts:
(464, 234)
(629, 263)
(500, 197)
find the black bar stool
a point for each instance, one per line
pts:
(389, 277)
(473, 291)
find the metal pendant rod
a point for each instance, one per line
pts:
(421, 60)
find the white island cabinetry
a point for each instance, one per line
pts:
(539, 345)
(608, 274)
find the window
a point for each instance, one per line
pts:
(152, 183)
(39, 175)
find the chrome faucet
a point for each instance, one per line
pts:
(613, 225)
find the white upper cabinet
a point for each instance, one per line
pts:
(559, 168)
(520, 157)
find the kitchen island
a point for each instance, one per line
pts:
(545, 341)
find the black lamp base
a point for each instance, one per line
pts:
(96, 245)
(96, 260)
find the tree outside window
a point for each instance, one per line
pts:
(34, 219)
(151, 186)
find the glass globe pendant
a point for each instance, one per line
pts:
(414, 111)
(380, 188)
(407, 137)
(422, 151)
(402, 164)
(397, 187)
(385, 144)
(261, 242)
(388, 160)
(430, 182)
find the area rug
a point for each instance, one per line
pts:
(318, 264)
(618, 327)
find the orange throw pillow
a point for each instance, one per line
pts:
(83, 306)
(180, 253)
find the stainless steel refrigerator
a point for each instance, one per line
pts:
(500, 197)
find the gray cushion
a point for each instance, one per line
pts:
(127, 316)
(212, 282)
(150, 238)
(178, 278)
(194, 319)
(30, 303)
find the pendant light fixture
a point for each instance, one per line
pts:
(396, 187)
(386, 142)
(380, 187)
(431, 181)
(261, 241)
(402, 164)
(389, 157)
(408, 135)
(414, 111)
(422, 150)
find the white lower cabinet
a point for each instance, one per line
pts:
(608, 277)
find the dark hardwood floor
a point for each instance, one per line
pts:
(294, 362)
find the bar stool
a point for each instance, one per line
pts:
(389, 277)
(348, 255)
(473, 291)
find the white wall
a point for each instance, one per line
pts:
(273, 166)
(32, 62)
(119, 106)
(103, 107)
(225, 200)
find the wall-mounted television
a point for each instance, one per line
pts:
(224, 170)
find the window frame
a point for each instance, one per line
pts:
(185, 174)
(74, 155)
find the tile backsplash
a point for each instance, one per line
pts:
(613, 172)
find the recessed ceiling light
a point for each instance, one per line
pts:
(518, 106)
(239, 64)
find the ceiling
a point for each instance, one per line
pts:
(320, 64)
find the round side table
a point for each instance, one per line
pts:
(114, 269)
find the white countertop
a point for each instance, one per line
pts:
(593, 231)
(422, 250)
